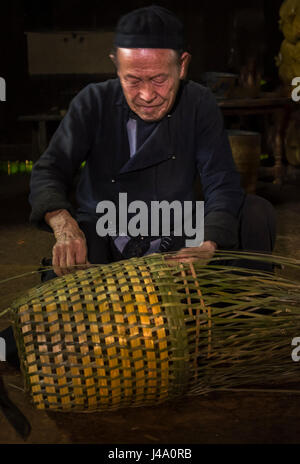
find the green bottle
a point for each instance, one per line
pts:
(28, 166)
(22, 167)
(14, 169)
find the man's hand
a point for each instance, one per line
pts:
(203, 253)
(70, 247)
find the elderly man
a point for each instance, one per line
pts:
(147, 133)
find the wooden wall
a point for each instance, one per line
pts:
(209, 32)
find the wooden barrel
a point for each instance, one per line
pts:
(292, 141)
(246, 150)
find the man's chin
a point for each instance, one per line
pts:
(150, 119)
(152, 116)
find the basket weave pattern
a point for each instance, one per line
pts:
(140, 332)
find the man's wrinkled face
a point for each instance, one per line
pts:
(150, 80)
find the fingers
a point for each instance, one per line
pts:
(80, 251)
(69, 253)
(174, 260)
(58, 259)
(201, 254)
(70, 249)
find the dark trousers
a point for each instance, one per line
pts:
(257, 225)
(257, 231)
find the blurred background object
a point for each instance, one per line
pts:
(292, 140)
(288, 59)
(221, 84)
(247, 47)
(246, 151)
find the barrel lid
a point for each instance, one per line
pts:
(235, 132)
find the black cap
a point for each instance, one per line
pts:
(150, 27)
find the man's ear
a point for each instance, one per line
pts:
(185, 60)
(114, 60)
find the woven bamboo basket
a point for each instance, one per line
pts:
(140, 332)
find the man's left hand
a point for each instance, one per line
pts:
(203, 253)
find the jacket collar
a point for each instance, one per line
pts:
(159, 146)
(156, 149)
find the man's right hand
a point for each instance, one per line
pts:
(70, 248)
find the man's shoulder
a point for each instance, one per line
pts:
(198, 93)
(98, 91)
(195, 87)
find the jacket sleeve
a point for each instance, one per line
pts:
(53, 173)
(220, 180)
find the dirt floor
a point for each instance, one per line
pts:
(218, 417)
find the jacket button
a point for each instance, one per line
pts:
(173, 157)
(113, 181)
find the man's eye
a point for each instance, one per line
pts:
(133, 81)
(159, 80)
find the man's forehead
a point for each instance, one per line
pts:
(145, 54)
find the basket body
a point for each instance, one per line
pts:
(141, 332)
(98, 340)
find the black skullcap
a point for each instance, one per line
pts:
(150, 27)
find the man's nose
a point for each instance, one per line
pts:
(147, 92)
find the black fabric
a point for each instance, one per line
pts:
(221, 228)
(190, 138)
(100, 249)
(257, 231)
(150, 27)
(13, 414)
(49, 201)
(257, 225)
(46, 274)
(144, 130)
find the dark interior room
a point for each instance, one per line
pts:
(241, 58)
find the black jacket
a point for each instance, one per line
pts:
(190, 139)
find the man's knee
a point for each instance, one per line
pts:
(256, 205)
(257, 224)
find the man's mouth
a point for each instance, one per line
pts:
(149, 106)
(149, 109)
